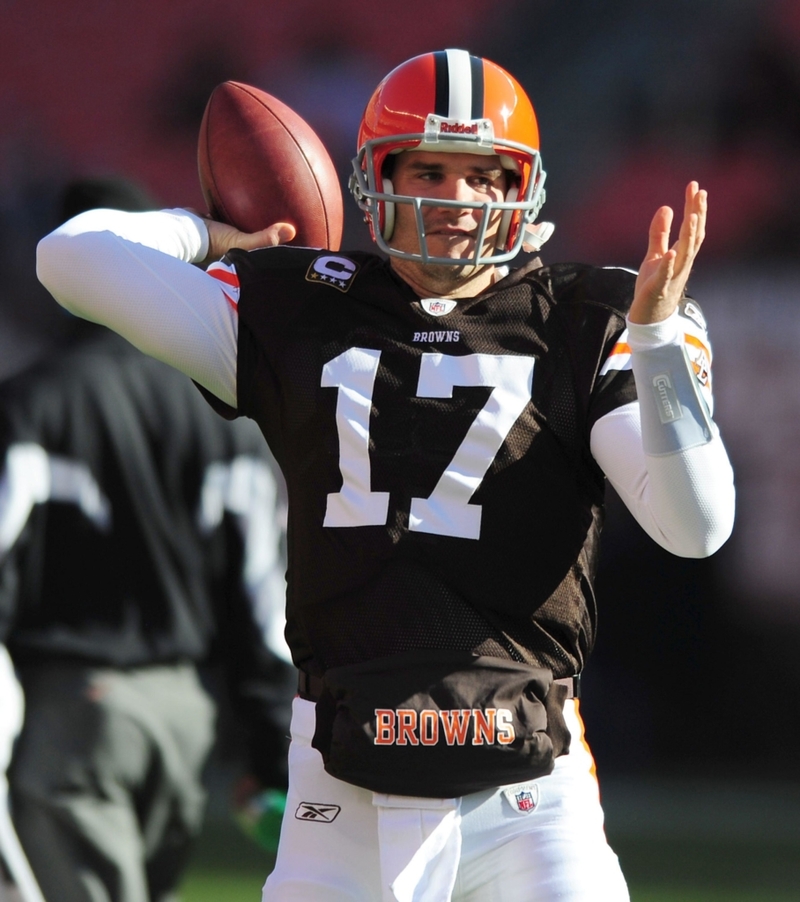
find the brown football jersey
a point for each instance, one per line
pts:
(442, 493)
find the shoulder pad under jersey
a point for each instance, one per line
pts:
(575, 283)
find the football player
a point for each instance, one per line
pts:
(446, 425)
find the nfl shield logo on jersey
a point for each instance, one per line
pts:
(437, 306)
(522, 798)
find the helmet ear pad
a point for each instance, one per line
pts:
(506, 219)
(387, 227)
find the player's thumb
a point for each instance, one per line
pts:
(279, 233)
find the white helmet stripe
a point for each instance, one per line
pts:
(460, 85)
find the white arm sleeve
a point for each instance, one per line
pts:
(684, 500)
(133, 272)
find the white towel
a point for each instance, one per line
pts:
(420, 843)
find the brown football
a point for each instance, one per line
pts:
(260, 163)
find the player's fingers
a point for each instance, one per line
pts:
(696, 203)
(690, 194)
(692, 235)
(702, 216)
(660, 226)
(686, 246)
(667, 273)
(693, 229)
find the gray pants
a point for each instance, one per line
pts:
(105, 782)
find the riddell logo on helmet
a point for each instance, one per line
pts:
(459, 128)
(405, 726)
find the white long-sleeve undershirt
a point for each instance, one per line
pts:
(132, 273)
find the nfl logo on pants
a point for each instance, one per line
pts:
(525, 801)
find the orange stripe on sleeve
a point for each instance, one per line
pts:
(694, 340)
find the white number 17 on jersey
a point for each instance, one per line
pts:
(446, 511)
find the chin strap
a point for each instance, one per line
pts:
(536, 235)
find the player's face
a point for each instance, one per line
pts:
(450, 231)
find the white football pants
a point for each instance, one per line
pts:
(537, 842)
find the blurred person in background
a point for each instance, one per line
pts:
(141, 538)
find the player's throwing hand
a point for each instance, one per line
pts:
(222, 237)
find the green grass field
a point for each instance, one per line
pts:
(226, 885)
(710, 895)
(228, 868)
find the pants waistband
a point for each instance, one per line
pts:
(309, 686)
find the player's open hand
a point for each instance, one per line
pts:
(223, 237)
(665, 270)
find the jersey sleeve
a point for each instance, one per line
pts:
(134, 273)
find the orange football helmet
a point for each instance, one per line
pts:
(450, 101)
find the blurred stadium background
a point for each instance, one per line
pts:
(692, 699)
